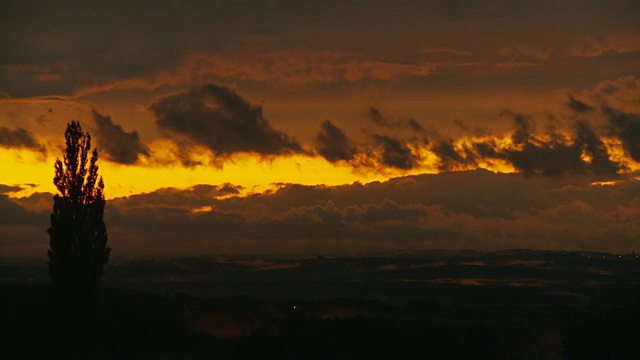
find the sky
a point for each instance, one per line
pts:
(328, 127)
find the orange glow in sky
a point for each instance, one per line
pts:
(314, 93)
(254, 174)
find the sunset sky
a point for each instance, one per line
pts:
(328, 127)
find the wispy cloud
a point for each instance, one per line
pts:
(523, 53)
(446, 51)
(374, 114)
(602, 44)
(35, 100)
(296, 67)
(19, 138)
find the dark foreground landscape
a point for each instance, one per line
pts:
(445, 305)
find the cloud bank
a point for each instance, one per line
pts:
(499, 211)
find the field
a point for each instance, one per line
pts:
(509, 305)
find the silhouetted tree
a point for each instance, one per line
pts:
(78, 235)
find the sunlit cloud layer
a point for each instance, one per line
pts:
(410, 213)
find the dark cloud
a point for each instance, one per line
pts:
(197, 196)
(533, 153)
(488, 149)
(549, 159)
(523, 131)
(118, 145)
(376, 117)
(578, 106)
(553, 157)
(334, 145)
(626, 126)
(8, 189)
(396, 154)
(216, 191)
(450, 158)
(588, 141)
(19, 138)
(379, 153)
(530, 152)
(218, 118)
(557, 155)
(145, 41)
